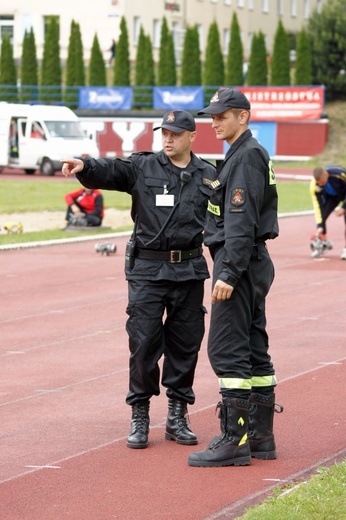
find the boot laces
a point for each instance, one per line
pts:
(140, 417)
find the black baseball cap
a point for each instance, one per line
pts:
(224, 99)
(177, 121)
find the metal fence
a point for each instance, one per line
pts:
(69, 96)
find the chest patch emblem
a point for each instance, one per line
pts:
(238, 197)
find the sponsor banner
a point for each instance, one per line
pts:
(285, 103)
(187, 98)
(103, 98)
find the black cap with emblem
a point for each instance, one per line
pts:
(224, 99)
(177, 121)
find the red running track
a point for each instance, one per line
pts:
(64, 376)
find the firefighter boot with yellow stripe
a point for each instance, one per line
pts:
(231, 448)
(261, 436)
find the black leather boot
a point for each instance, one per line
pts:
(231, 448)
(261, 436)
(177, 426)
(138, 437)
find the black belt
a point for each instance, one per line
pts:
(174, 257)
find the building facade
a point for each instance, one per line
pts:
(103, 18)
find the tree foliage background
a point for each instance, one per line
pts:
(8, 72)
(191, 68)
(234, 68)
(29, 68)
(97, 67)
(51, 74)
(280, 65)
(258, 68)
(320, 59)
(122, 60)
(327, 31)
(303, 68)
(214, 68)
(167, 74)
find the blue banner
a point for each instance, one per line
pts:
(187, 98)
(103, 98)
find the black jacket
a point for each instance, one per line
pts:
(243, 207)
(145, 176)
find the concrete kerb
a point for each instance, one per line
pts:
(24, 245)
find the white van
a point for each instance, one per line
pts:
(38, 136)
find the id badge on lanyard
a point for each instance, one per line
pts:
(165, 200)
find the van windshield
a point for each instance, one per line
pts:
(70, 129)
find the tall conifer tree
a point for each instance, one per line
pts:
(29, 68)
(214, 65)
(122, 61)
(97, 67)
(167, 74)
(8, 72)
(75, 74)
(51, 67)
(191, 68)
(280, 64)
(303, 69)
(258, 68)
(234, 69)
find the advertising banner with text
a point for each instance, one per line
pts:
(285, 103)
(187, 98)
(103, 98)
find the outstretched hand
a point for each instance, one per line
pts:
(71, 167)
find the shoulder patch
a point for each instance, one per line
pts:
(272, 178)
(238, 197)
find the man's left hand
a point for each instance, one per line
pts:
(222, 291)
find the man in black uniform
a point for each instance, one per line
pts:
(242, 215)
(328, 193)
(164, 267)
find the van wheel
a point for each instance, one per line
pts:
(30, 172)
(47, 167)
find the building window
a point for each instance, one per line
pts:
(306, 9)
(265, 6)
(226, 39)
(293, 8)
(319, 5)
(200, 37)
(251, 6)
(240, 3)
(136, 29)
(6, 27)
(227, 2)
(156, 33)
(47, 20)
(280, 8)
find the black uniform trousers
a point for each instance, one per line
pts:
(328, 203)
(238, 342)
(165, 318)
